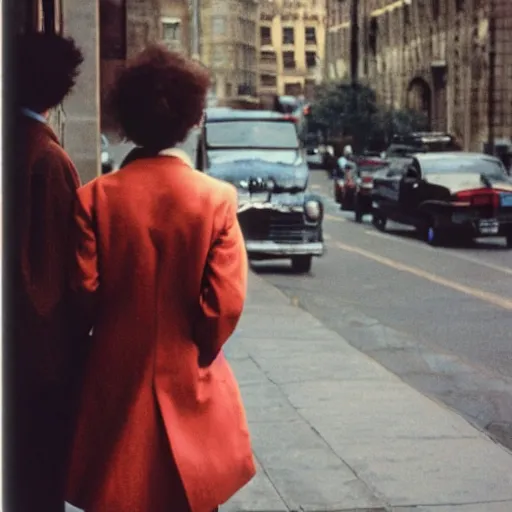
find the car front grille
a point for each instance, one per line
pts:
(275, 226)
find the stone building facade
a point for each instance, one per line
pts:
(229, 47)
(433, 56)
(292, 46)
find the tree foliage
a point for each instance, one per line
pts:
(346, 111)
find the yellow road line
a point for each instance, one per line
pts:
(491, 298)
(328, 216)
(463, 257)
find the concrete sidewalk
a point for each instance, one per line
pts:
(333, 430)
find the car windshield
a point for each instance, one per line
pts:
(252, 134)
(279, 156)
(490, 168)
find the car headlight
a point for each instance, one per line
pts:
(313, 210)
(104, 157)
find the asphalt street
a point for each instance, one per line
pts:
(440, 318)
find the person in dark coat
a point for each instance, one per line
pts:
(46, 338)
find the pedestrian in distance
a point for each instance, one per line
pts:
(162, 269)
(45, 339)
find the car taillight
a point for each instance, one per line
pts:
(367, 179)
(478, 197)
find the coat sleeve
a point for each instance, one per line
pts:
(224, 287)
(85, 275)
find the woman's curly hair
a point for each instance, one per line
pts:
(159, 97)
(46, 68)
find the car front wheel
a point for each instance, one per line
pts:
(302, 264)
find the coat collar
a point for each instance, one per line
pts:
(178, 153)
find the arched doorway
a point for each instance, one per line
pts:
(419, 97)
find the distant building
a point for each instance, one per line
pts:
(229, 47)
(292, 44)
(430, 55)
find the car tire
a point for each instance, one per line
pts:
(509, 241)
(379, 221)
(302, 264)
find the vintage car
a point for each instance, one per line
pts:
(366, 169)
(458, 194)
(260, 154)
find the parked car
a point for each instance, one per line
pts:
(314, 156)
(366, 169)
(462, 194)
(260, 154)
(107, 162)
(403, 147)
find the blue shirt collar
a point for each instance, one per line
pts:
(34, 115)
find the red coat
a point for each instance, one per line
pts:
(161, 251)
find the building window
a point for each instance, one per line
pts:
(435, 9)
(218, 25)
(293, 89)
(268, 58)
(289, 60)
(372, 36)
(288, 35)
(310, 60)
(171, 33)
(310, 35)
(265, 35)
(268, 80)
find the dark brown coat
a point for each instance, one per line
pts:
(46, 339)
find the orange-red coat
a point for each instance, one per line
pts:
(161, 424)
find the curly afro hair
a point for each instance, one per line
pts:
(46, 67)
(159, 97)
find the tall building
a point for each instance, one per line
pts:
(435, 56)
(229, 47)
(292, 44)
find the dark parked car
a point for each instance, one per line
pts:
(403, 147)
(107, 162)
(259, 152)
(465, 194)
(366, 169)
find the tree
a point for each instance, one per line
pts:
(347, 111)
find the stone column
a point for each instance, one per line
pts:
(81, 134)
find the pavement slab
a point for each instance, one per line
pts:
(333, 430)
